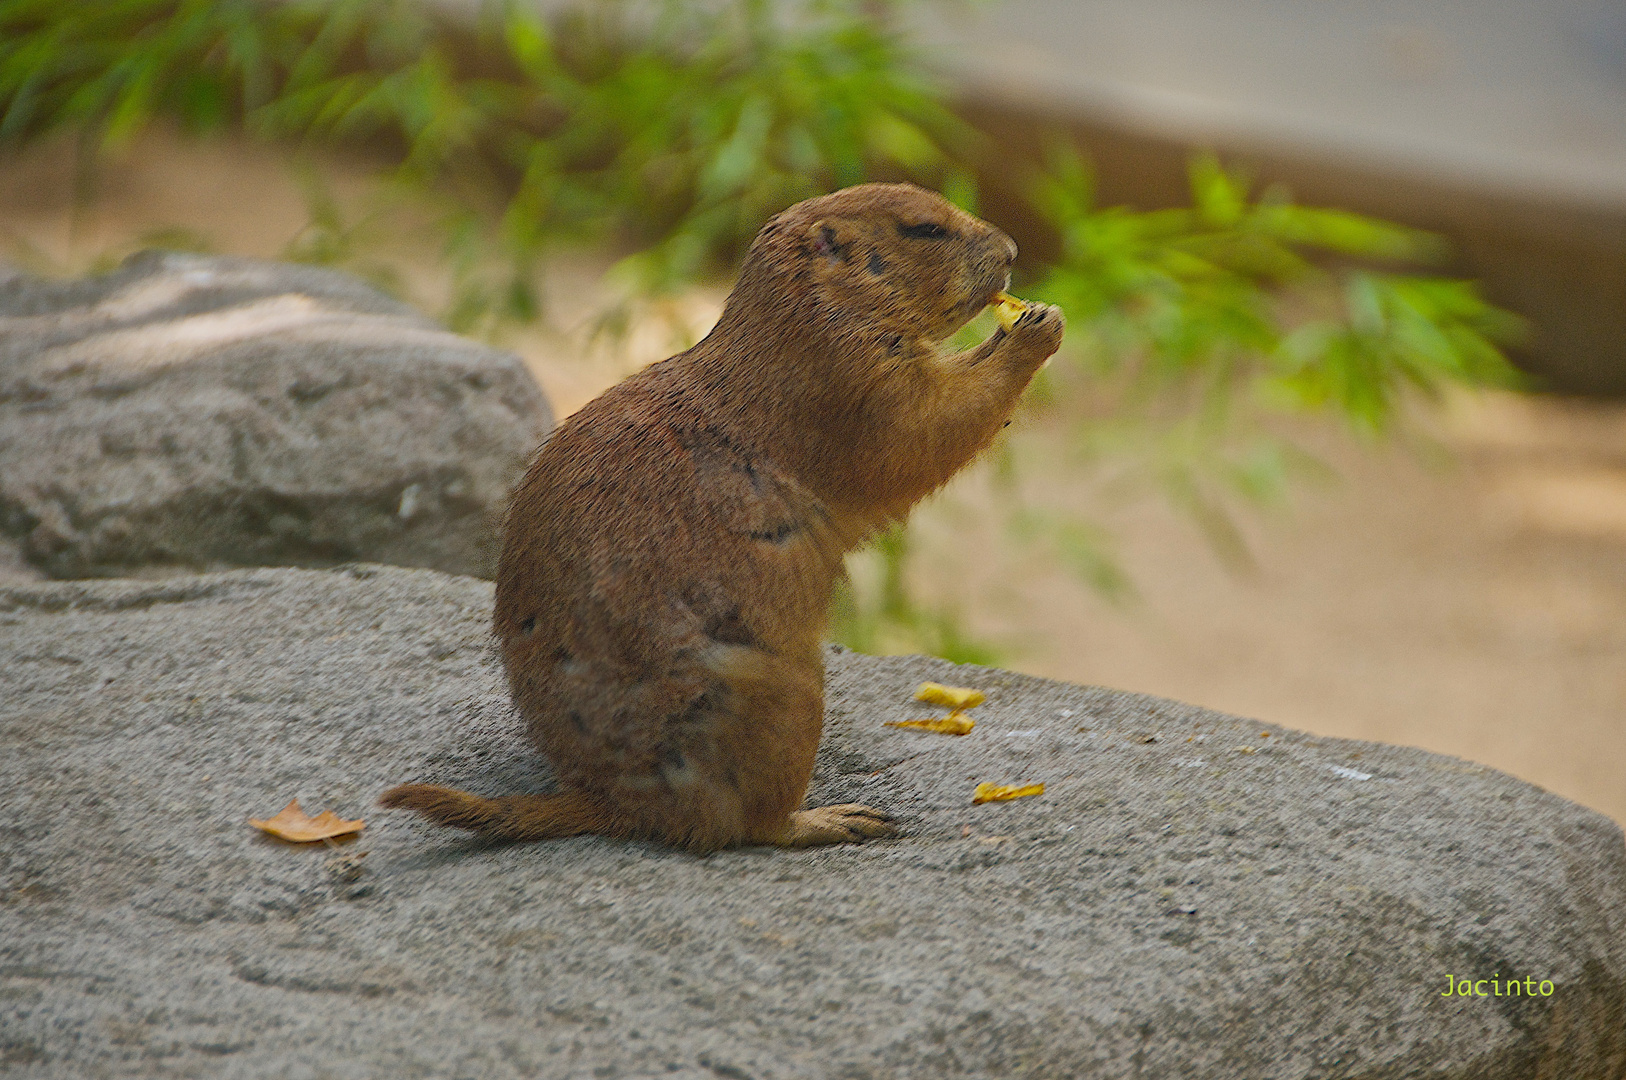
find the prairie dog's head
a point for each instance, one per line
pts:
(892, 261)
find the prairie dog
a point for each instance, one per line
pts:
(669, 557)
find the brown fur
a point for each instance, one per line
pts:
(669, 557)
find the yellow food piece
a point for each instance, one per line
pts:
(987, 792)
(955, 697)
(955, 723)
(1007, 309)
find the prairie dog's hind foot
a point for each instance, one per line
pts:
(843, 823)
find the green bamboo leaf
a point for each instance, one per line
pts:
(530, 45)
(893, 139)
(1349, 234)
(1220, 197)
(734, 161)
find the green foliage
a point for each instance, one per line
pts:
(1228, 299)
(888, 616)
(674, 126)
(672, 129)
(1191, 329)
(109, 68)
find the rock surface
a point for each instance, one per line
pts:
(200, 411)
(1193, 896)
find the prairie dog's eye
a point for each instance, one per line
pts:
(926, 230)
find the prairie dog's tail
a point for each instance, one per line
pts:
(511, 817)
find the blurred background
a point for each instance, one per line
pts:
(1283, 470)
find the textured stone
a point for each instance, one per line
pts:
(197, 411)
(1194, 895)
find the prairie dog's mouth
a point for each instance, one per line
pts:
(979, 300)
(996, 288)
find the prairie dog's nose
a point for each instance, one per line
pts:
(996, 250)
(1010, 249)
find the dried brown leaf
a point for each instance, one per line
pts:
(292, 823)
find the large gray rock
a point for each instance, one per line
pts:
(1189, 898)
(196, 411)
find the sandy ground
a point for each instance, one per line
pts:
(1471, 602)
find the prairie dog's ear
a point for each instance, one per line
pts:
(826, 236)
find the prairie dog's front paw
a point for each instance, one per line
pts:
(1040, 327)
